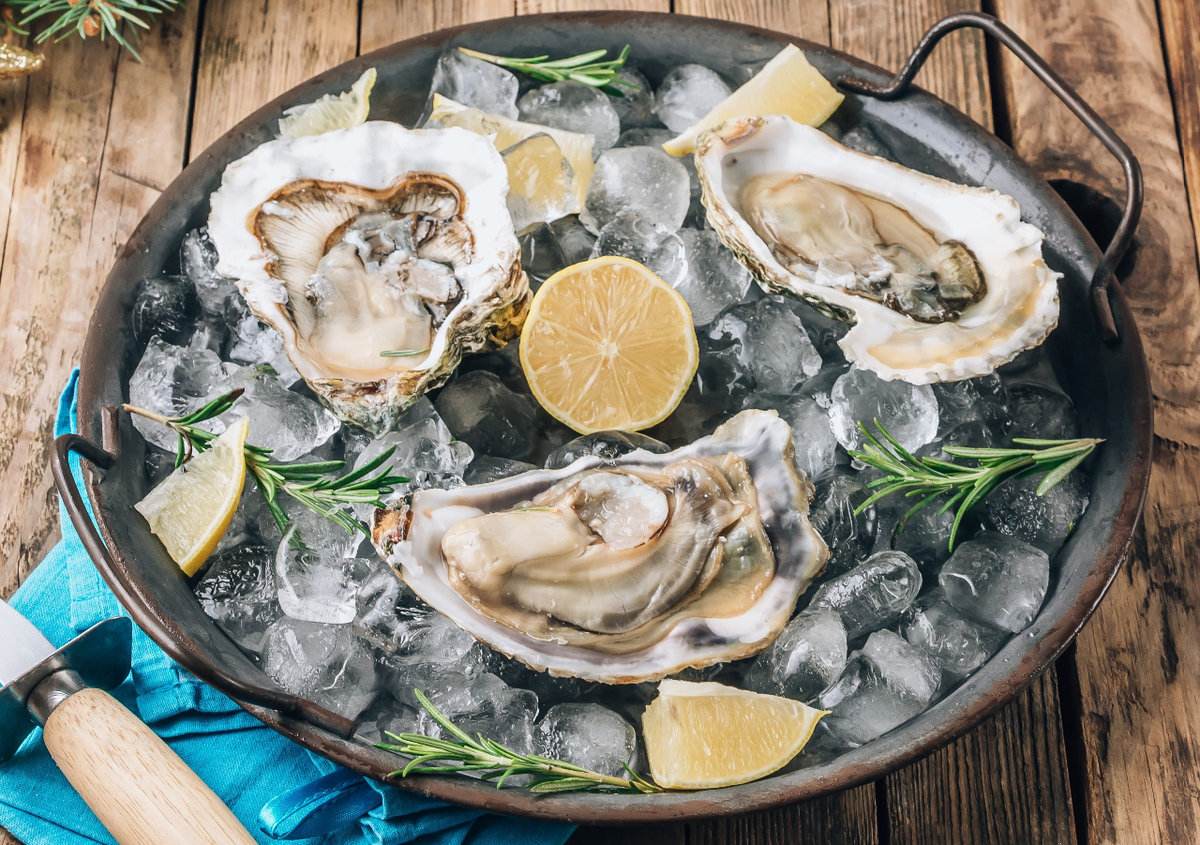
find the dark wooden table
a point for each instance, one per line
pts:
(1103, 748)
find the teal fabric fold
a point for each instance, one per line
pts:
(276, 788)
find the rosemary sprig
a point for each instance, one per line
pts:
(925, 479)
(87, 19)
(585, 68)
(309, 484)
(496, 762)
(402, 353)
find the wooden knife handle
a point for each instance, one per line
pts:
(137, 786)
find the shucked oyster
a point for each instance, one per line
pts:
(626, 570)
(380, 254)
(942, 281)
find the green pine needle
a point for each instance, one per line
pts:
(586, 68)
(430, 755)
(102, 18)
(927, 479)
(309, 484)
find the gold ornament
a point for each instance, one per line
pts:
(17, 61)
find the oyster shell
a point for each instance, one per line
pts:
(371, 240)
(624, 570)
(942, 281)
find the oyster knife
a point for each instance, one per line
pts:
(135, 784)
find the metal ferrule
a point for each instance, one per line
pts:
(52, 691)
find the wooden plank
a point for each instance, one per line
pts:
(885, 32)
(537, 7)
(1140, 715)
(1006, 781)
(252, 52)
(12, 114)
(806, 19)
(102, 135)
(1181, 37)
(387, 21)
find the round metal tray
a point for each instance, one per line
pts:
(1106, 379)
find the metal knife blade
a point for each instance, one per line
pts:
(24, 645)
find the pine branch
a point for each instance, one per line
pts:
(86, 18)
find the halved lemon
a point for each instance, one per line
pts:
(333, 111)
(787, 85)
(193, 506)
(702, 736)
(506, 132)
(608, 345)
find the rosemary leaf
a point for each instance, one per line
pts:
(584, 68)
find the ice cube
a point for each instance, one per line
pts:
(284, 421)
(608, 445)
(873, 594)
(587, 735)
(804, 659)
(320, 535)
(824, 331)
(644, 137)
(883, 686)
(422, 444)
(1014, 508)
(172, 380)
(486, 706)
(326, 664)
(485, 468)
(635, 106)
(315, 588)
(474, 82)
(763, 346)
(815, 445)
(198, 263)
(925, 536)
(238, 593)
(1040, 412)
(642, 181)
(493, 420)
(548, 688)
(714, 279)
(541, 182)
(998, 580)
(574, 241)
(386, 715)
(647, 243)
(957, 645)
(254, 342)
(686, 94)
(165, 306)
(405, 632)
(969, 401)
(819, 388)
(850, 536)
(909, 412)
(575, 107)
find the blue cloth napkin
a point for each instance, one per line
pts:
(276, 788)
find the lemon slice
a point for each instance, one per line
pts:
(333, 111)
(190, 510)
(787, 85)
(701, 736)
(608, 345)
(505, 132)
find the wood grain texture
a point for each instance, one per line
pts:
(1180, 21)
(1006, 781)
(388, 21)
(803, 18)
(1137, 669)
(136, 785)
(251, 53)
(537, 7)
(885, 32)
(12, 115)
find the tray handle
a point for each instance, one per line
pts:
(176, 643)
(900, 83)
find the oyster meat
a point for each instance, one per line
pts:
(942, 281)
(380, 254)
(625, 570)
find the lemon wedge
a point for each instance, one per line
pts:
(193, 506)
(608, 345)
(702, 736)
(506, 133)
(333, 111)
(787, 85)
